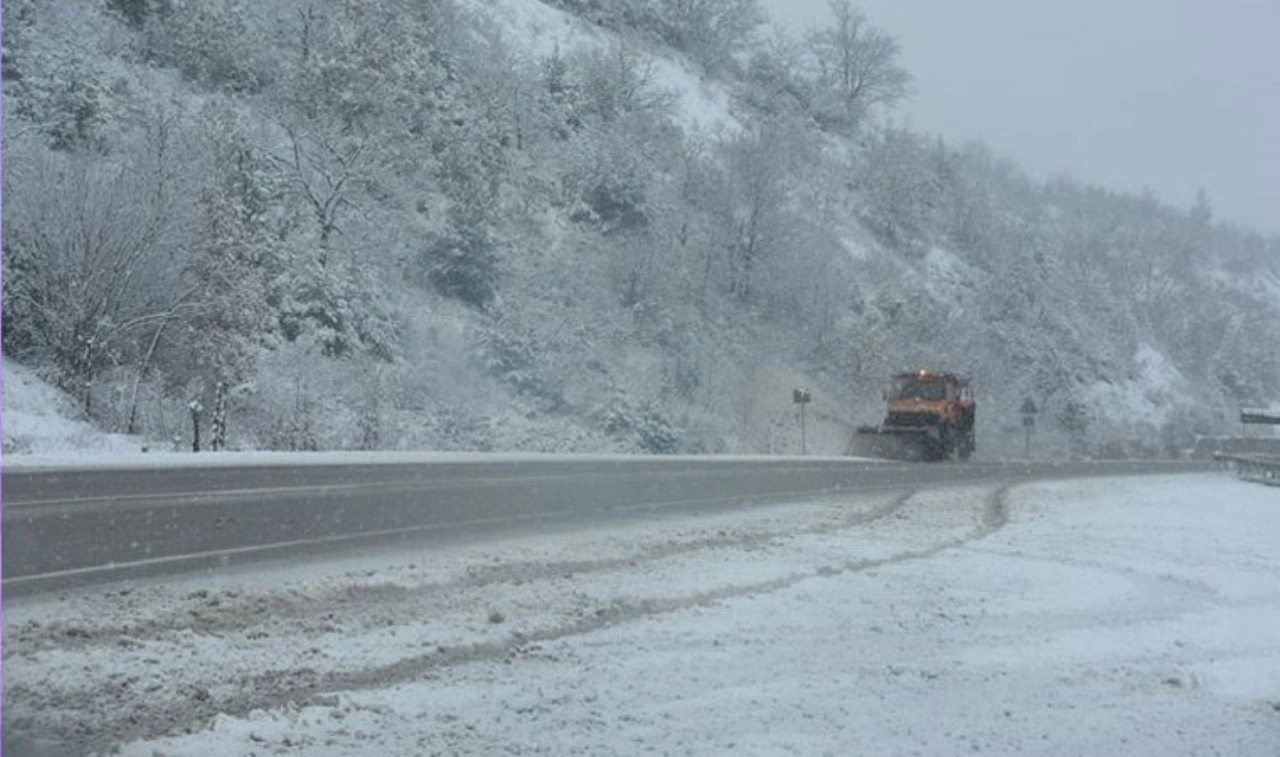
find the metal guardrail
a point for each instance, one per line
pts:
(1264, 469)
(1208, 446)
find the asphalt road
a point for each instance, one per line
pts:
(65, 527)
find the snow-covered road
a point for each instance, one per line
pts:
(1107, 616)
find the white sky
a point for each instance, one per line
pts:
(1170, 94)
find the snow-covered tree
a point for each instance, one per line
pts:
(87, 248)
(710, 30)
(775, 74)
(756, 212)
(1074, 419)
(214, 44)
(857, 64)
(902, 190)
(232, 317)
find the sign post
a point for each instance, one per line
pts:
(801, 397)
(1028, 424)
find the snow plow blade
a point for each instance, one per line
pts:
(907, 445)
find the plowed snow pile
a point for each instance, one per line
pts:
(1119, 616)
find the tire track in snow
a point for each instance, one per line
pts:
(299, 686)
(212, 613)
(96, 709)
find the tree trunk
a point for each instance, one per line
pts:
(219, 441)
(132, 426)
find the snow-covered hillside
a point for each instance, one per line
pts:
(40, 420)
(569, 226)
(537, 30)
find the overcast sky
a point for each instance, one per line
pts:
(1169, 94)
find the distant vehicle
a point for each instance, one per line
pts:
(930, 418)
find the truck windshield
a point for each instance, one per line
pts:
(922, 390)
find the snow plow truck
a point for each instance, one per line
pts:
(930, 418)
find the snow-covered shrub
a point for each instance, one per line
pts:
(462, 262)
(338, 307)
(212, 44)
(514, 357)
(644, 426)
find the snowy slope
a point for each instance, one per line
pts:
(1156, 391)
(535, 28)
(40, 420)
(538, 30)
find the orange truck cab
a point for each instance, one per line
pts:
(939, 406)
